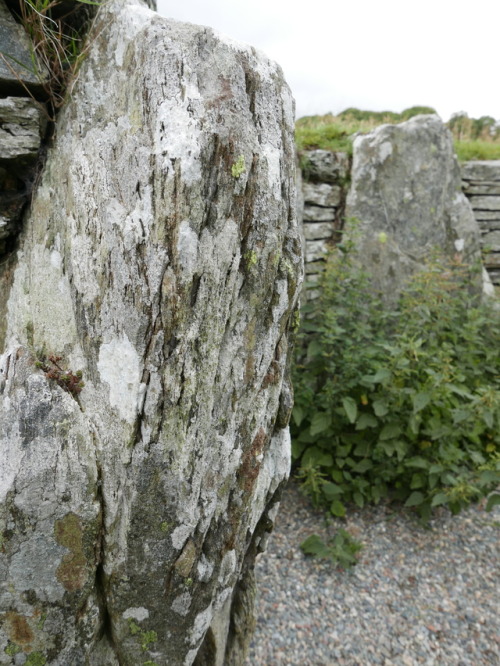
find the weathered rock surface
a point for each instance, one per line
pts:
(161, 258)
(325, 166)
(22, 125)
(321, 194)
(16, 64)
(406, 195)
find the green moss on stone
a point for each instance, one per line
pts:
(145, 637)
(12, 649)
(251, 259)
(148, 637)
(238, 167)
(72, 572)
(35, 659)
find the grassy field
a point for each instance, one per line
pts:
(474, 139)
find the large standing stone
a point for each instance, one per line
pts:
(407, 199)
(162, 258)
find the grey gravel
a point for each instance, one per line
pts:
(417, 596)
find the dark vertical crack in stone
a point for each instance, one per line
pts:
(105, 632)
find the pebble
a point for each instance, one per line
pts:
(418, 596)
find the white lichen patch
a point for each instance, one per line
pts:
(273, 159)
(138, 614)
(384, 151)
(201, 623)
(282, 306)
(56, 260)
(178, 123)
(205, 569)
(119, 367)
(227, 567)
(182, 603)
(222, 597)
(180, 536)
(134, 21)
(187, 247)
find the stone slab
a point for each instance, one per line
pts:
(321, 194)
(318, 230)
(15, 54)
(316, 250)
(314, 267)
(485, 202)
(325, 166)
(481, 170)
(483, 216)
(492, 260)
(407, 198)
(318, 214)
(21, 128)
(486, 187)
(492, 241)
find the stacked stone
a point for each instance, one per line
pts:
(325, 174)
(481, 184)
(21, 124)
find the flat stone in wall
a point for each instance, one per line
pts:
(322, 194)
(325, 166)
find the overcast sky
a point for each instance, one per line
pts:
(372, 55)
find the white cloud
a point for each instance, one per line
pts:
(384, 55)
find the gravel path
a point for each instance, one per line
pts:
(417, 596)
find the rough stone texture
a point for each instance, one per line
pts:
(150, 260)
(325, 166)
(481, 170)
(22, 125)
(16, 66)
(406, 194)
(316, 249)
(318, 230)
(485, 202)
(319, 214)
(322, 194)
(21, 128)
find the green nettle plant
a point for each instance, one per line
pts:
(402, 403)
(339, 550)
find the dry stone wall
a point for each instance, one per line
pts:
(481, 185)
(324, 176)
(326, 180)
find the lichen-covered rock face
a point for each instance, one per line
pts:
(406, 200)
(161, 258)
